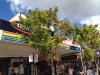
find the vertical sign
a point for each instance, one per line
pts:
(31, 58)
(36, 58)
(1, 31)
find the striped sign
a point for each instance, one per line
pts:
(13, 37)
(69, 45)
(64, 46)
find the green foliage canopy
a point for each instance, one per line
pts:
(39, 23)
(87, 36)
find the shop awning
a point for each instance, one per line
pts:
(8, 49)
(68, 46)
(11, 49)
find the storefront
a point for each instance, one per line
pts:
(72, 59)
(15, 56)
(70, 54)
(20, 66)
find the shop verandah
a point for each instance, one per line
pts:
(16, 56)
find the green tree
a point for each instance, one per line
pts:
(44, 26)
(89, 55)
(88, 37)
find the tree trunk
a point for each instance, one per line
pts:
(52, 67)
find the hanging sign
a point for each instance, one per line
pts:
(31, 58)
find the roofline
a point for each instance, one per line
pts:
(15, 16)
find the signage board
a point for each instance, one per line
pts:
(70, 57)
(31, 58)
(16, 60)
(1, 34)
(75, 48)
(36, 58)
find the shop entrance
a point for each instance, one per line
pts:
(20, 66)
(70, 61)
(44, 68)
(4, 64)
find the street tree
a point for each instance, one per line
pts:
(87, 37)
(46, 31)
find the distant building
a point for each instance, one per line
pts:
(16, 19)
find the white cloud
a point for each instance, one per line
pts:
(71, 9)
(16, 6)
(92, 21)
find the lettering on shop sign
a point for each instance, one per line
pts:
(16, 60)
(70, 57)
(75, 48)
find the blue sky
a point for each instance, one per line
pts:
(5, 11)
(81, 11)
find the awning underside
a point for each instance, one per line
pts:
(8, 49)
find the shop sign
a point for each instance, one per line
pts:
(36, 58)
(70, 57)
(16, 60)
(31, 58)
(75, 48)
(1, 34)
